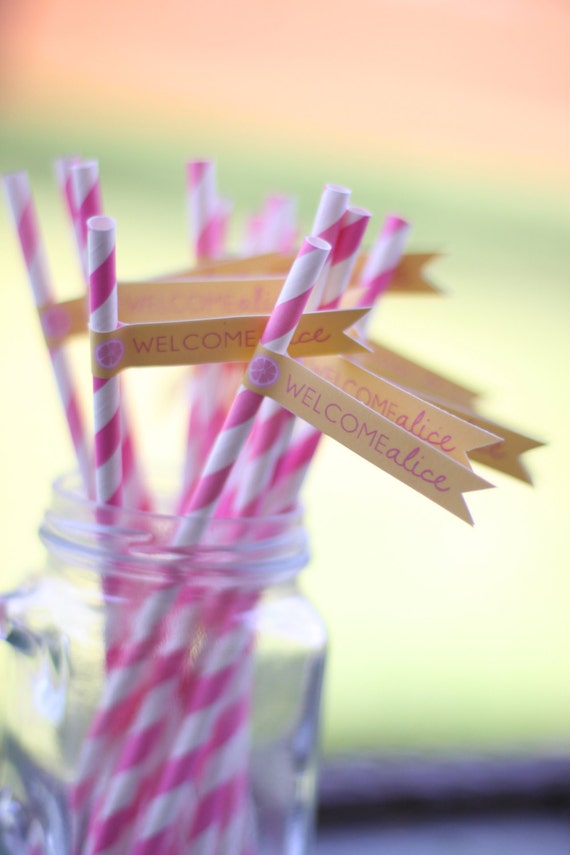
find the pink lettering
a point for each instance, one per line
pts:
(328, 407)
(293, 387)
(307, 399)
(410, 464)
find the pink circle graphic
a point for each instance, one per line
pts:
(109, 353)
(263, 371)
(56, 322)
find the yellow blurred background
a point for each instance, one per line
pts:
(453, 114)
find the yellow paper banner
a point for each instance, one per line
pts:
(374, 437)
(438, 427)
(408, 374)
(181, 299)
(409, 276)
(214, 340)
(169, 300)
(504, 455)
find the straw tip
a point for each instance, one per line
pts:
(338, 188)
(359, 212)
(314, 242)
(15, 178)
(101, 223)
(394, 223)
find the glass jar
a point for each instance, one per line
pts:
(158, 698)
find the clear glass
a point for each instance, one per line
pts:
(157, 698)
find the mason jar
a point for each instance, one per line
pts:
(159, 698)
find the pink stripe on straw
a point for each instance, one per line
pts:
(21, 204)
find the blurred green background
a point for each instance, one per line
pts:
(443, 637)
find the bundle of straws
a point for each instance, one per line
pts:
(247, 456)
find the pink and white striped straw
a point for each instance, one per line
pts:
(344, 256)
(268, 440)
(62, 168)
(277, 224)
(164, 805)
(213, 386)
(381, 263)
(326, 225)
(203, 208)
(103, 315)
(21, 204)
(277, 336)
(293, 464)
(86, 203)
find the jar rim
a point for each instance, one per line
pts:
(78, 530)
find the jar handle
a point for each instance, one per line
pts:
(48, 651)
(14, 632)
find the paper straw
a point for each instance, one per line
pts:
(381, 264)
(21, 204)
(268, 441)
(214, 713)
(276, 336)
(86, 203)
(326, 225)
(223, 214)
(213, 386)
(103, 315)
(203, 208)
(62, 168)
(344, 256)
(292, 466)
(277, 227)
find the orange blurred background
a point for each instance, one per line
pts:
(460, 83)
